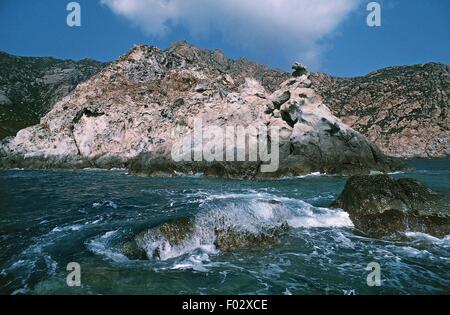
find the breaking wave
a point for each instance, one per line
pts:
(248, 214)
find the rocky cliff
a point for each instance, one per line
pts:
(29, 87)
(404, 110)
(135, 110)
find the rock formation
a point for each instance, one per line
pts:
(29, 87)
(383, 207)
(404, 110)
(175, 237)
(134, 111)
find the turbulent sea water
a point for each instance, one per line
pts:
(51, 218)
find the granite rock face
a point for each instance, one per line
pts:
(29, 87)
(133, 112)
(383, 207)
(404, 110)
(314, 140)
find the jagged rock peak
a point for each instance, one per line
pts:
(145, 63)
(185, 50)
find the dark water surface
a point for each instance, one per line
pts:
(51, 218)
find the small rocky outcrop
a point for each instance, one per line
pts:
(313, 139)
(383, 207)
(299, 69)
(183, 235)
(133, 251)
(229, 239)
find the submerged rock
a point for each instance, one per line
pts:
(383, 207)
(271, 201)
(133, 252)
(171, 234)
(183, 235)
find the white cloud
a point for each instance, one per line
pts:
(292, 27)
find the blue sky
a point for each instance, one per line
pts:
(327, 35)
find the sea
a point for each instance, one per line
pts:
(50, 219)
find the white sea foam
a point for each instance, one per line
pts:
(20, 291)
(287, 292)
(102, 246)
(105, 203)
(194, 262)
(337, 219)
(444, 242)
(75, 227)
(314, 174)
(196, 175)
(396, 173)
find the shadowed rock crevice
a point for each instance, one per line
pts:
(86, 112)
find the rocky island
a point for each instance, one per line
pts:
(133, 111)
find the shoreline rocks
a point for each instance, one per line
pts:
(383, 207)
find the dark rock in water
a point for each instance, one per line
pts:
(180, 231)
(133, 252)
(228, 239)
(383, 207)
(174, 232)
